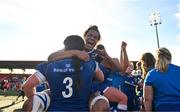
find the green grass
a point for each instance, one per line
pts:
(10, 92)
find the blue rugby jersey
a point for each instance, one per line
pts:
(62, 77)
(42, 69)
(166, 86)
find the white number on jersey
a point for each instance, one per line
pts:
(68, 86)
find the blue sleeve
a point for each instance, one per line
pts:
(149, 79)
(42, 67)
(93, 65)
(39, 67)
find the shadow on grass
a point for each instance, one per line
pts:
(18, 110)
(7, 106)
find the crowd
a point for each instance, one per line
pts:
(13, 83)
(83, 77)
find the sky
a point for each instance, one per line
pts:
(32, 29)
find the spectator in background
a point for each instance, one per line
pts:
(6, 87)
(162, 84)
(20, 93)
(2, 85)
(23, 80)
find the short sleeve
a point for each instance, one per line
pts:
(148, 81)
(41, 71)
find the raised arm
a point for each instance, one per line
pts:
(124, 61)
(62, 54)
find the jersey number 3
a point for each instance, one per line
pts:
(69, 82)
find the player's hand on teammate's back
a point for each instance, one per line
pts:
(83, 55)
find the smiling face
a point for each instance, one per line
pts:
(91, 39)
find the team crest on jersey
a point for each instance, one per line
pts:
(68, 65)
(81, 68)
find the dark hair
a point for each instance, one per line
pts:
(147, 62)
(97, 57)
(75, 42)
(95, 28)
(100, 47)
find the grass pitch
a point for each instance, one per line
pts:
(8, 102)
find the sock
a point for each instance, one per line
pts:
(36, 104)
(122, 107)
